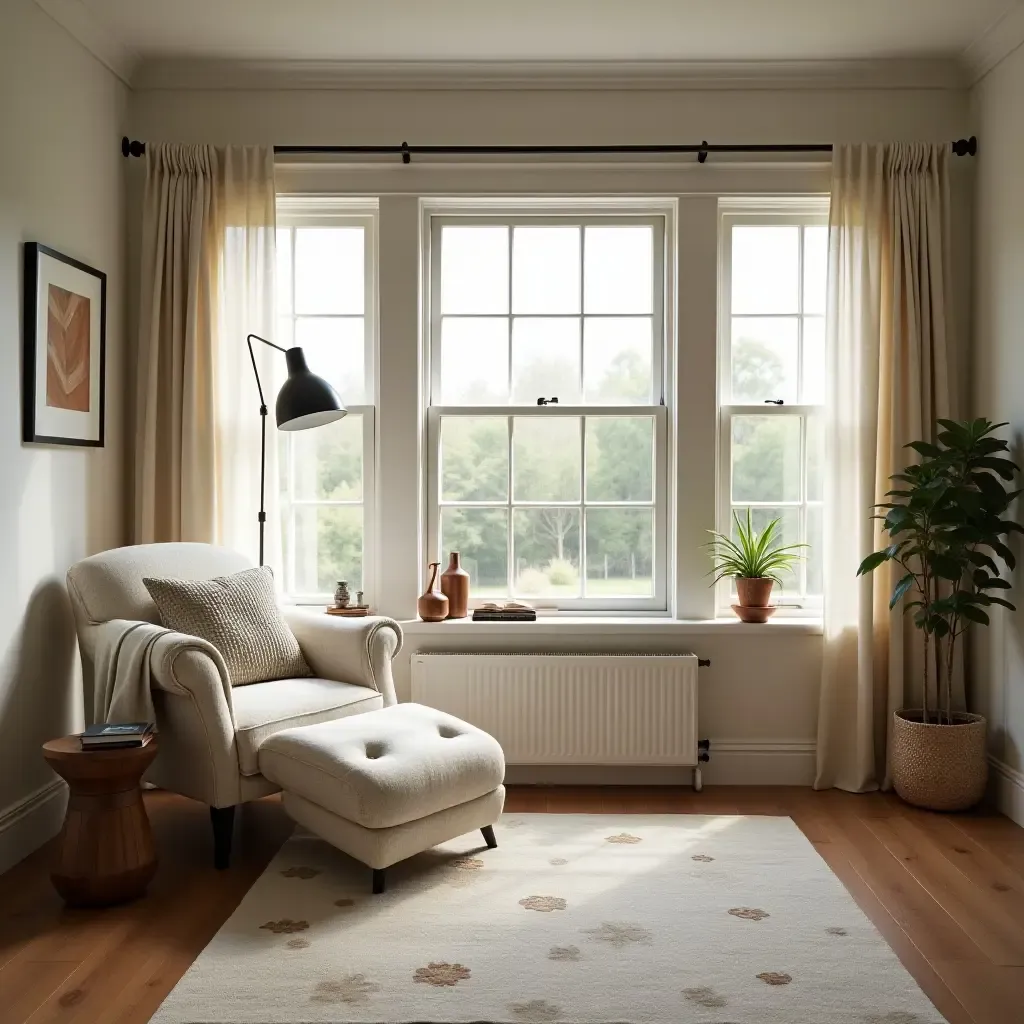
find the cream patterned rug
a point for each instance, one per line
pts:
(583, 919)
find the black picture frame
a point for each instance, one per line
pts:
(34, 252)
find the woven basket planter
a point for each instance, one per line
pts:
(940, 767)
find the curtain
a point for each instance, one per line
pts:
(888, 334)
(207, 281)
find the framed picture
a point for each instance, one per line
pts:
(65, 349)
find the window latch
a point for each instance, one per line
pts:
(774, 401)
(548, 401)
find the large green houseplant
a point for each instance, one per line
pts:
(947, 524)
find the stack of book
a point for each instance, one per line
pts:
(115, 735)
(514, 611)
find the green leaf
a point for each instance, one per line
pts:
(968, 611)
(924, 448)
(1004, 467)
(873, 561)
(946, 567)
(902, 586)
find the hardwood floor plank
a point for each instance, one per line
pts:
(993, 994)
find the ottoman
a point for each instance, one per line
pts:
(387, 784)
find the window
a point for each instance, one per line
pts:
(326, 304)
(772, 380)
(548, 428)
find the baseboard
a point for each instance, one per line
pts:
(733, 763)
(29, 823)
(1006, 785)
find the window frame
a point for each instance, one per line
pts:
(552, 213)
(335, 211)
(802, 212)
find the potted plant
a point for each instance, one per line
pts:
(756, 561)
(946, 527)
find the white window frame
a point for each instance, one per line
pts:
(781, 211)
(336, 211)
(544, 214)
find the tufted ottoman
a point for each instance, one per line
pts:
(384, 785)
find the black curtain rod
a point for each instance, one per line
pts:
(962, 147)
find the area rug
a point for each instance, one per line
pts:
(582, 919)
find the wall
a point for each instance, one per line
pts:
(999, 387)
(61, 183)
(759, 698)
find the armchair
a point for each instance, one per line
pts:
(210, 732)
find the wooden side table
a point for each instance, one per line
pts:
(105, 851)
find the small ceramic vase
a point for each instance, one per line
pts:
(359, 599)
(342, 596)
(432, 605)
(455, 586)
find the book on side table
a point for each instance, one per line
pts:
(112, 735)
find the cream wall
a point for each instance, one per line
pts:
(999, 387)
(759, 699)
(61, 183)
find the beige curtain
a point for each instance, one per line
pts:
(888, 333)
(207, 281)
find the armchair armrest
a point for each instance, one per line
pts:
(349, 650)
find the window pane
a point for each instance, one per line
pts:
(618, 270)
(329, 270)
(815, 268)
(480, 535)
(789, 534)
(474, 360)
(815, 553)
(620, 551)
(284, 271)
(620, 458)
(546, 270)
(617, 360)
(474, 458)
(764, 359)
(335, 350)
(546, 546)
(328, 461)
(766, 458)
(474, 270)
(815, 458)
(765, 269)
(814, 360)
(546, 458)
(545, 359)
(328, 547)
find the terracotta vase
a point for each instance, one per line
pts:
(455, 586)
(754, 595)
(432, 605)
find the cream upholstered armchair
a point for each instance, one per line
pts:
(210, 732)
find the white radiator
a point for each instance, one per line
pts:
(578, 709)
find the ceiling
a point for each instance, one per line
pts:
(534, 30)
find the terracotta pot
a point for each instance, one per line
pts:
(432, 605)
(754, 593)
(940, 767)
(455, 586)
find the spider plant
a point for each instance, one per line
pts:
(753, 554)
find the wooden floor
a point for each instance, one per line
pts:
(946, 891)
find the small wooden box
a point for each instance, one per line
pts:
(353, 613)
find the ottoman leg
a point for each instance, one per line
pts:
(378, 881)
(223, 821)
(488, 833)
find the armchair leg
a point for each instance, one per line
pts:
(223, 821)
(488, 834)
(378, 881)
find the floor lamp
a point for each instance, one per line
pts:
(305, 400)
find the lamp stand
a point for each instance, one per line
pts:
(262, 517)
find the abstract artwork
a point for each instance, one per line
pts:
(64, 351)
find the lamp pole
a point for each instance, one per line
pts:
(263, 434)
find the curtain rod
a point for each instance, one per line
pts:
(962, 147)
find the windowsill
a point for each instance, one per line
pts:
(620, 625)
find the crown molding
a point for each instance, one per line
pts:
(996, 43)
(82, 24)
(548, 75)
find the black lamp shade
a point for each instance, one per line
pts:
(306, 400)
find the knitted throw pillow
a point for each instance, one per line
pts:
(240, 617)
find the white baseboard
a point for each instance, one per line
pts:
(733, 763)
(29, 823)
(1007, 787)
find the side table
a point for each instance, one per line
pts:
(105, 852)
